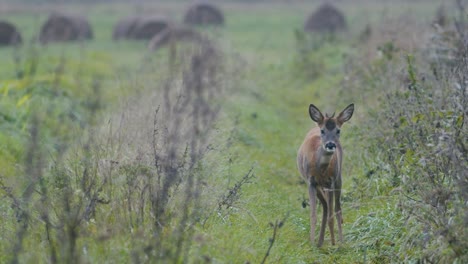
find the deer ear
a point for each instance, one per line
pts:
(346, 114)
(315, 114)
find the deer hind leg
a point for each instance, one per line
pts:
(313, 210)
(339, 217)
(330, 216)
(322, 199)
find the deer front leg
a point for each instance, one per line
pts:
(313, 210)
(323, 201)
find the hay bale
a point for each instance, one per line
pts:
(64, 27)
(8, 34)
(204, 14)
(148, 27)
(326, 19)
(175, 34)
(125, 27)
(137, 27)
(441, 18)
(194, 55)
(365, 33)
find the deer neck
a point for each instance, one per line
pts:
(324, 158)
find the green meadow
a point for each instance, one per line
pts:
(85, 139)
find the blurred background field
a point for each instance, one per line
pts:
(112, 153)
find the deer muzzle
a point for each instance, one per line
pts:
(330, 147)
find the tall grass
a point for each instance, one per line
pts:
(145, 181)
(416, 134)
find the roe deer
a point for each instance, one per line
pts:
(319, 162)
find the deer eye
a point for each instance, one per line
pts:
(338, 131)
(322, 132)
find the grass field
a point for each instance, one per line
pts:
(262, 121)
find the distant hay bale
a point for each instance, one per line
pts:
(326, 19)
(193, 54)
(204, 14)
(176, 34)
(137, 27)
(199, 44)
(148, 27)
(124, 28)
(441, 16)
(8, 34)
(64, 27)
(365, 33)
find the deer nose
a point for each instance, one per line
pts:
(330, 146)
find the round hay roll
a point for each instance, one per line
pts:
(441, 18)
(204, 14)
(64, 27)
(8, 34)
(326, 19)
(124, 28)
(85, 27)
(198, 56)
(148, 27)
(175, 34)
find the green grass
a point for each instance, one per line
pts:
(272, 126)
(270, 101)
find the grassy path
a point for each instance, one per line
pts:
(271, 104)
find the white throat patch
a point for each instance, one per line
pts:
(325, 159)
